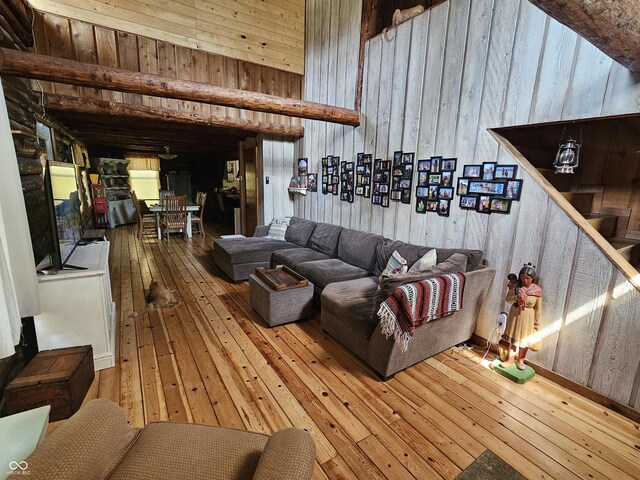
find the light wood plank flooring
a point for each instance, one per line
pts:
(211, 360)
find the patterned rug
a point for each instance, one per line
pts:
(489, 466)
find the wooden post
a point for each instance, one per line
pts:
(88, 106)
(30, 65)
(611, 25)
(369, 26)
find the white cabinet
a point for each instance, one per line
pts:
(77, 308)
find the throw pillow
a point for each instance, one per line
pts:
(278, 228)
(428, 260)
(395, 265)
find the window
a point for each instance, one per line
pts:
(146, 183)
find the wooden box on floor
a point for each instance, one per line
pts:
(60, 378)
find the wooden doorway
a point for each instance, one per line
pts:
(248, 186)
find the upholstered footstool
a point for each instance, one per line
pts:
(280, 295)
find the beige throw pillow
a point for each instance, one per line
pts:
(428, 260)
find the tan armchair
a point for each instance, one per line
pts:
(97, 443)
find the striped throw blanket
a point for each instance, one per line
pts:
(416, 303)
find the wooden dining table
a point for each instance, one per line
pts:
(157, 209)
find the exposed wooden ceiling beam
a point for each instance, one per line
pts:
(611, 25)
(30, 65)
(67, 103)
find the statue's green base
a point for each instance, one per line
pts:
(512, 372)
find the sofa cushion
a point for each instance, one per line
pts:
(414, 252)
(323, 272)
(352, 301)
(291, 257)
(359, 248)
(428, 260)
(299, 231)
(247, 250)
(181, 450)
(278, 228)
(395, 266)
(325, 237)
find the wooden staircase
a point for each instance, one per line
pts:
(582, 197)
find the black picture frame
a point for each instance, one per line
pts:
(485, 187)
(462, 187)
(435, 164)
(433, 192)
(468, 202)
(472, 171)
(513, 189)
(504, 172)
(424, 165)
(449, 164)
(489, 170)
(484, 204)
(421, 204)
(444, 207)
(500, 205)
(423, 178)
(445, 192)
(432, 206)
(446, 178)
(397, 158)
(435, 179)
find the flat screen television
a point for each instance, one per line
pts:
(61, 190)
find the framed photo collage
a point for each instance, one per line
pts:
(435, 189)
(489, 188)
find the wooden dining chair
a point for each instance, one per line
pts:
(144, 219)
(174, 210)
(199, 218)
(164, 193)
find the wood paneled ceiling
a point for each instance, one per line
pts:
(264, 32)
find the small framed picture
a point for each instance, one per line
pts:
(444, 207)
(422, 192)
(445, 192)
(424, 165)
(514, 187)
(468, 202)
(385, 200)
(368, 157)
(359, 191)
(463, 186)
(408, 157)
(421, 205)
(435, 178)
(302, 166)
(396, 194)
(487, 187)
(506, 171)
(406, 195)
(386, 165)
(435, 164)
(484, 204)
(405, 183)
(472, 171)
(408, 171)
(488, 170)
(500, 205)
(448, 164)
(432, 205)
(312, 184)
(375, 199)
(397, 158)
(433, 192)
(423, 178)
(446, 177)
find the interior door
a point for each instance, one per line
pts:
(249, 189)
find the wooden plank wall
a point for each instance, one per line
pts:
(277, 202)
(76, 40)
(266, 32)
(474, 65)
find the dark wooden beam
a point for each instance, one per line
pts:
(30, 65)
(611, 25)
(67, 103)
(369, 27)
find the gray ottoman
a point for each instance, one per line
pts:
(278, 307)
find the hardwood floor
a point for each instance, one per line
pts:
(211, 360)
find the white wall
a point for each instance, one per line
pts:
(434, 86)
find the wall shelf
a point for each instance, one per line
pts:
(301, 191)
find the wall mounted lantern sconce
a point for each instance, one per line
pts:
(568, 156)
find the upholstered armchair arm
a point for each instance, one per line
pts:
(261, 231)
(289, 454)
(88, 445)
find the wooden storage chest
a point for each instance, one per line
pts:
(60, 378)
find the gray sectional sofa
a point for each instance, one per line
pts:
(344, 266)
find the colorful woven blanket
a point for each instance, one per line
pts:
(416, 303)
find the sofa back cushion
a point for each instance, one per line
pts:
(324, 238)
(299, 231)
(413, 253)
(359, 248)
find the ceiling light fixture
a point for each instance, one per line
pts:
(167, 155)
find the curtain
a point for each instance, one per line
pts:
(18, 283)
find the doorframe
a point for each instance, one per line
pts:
(250, 142)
